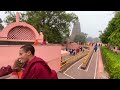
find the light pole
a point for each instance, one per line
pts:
(100, 31)
(100, 34)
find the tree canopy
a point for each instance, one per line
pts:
(111, 34)
(1, 26)
(54, 24)
(80, 38)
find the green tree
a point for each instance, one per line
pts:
(115, 38)
(96, 40)
(10, 18)
(104, 37)
(80, 38)
(90, 39)
(1, 26)
(54, 24)
(112, 31)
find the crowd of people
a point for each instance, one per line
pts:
(75, 51)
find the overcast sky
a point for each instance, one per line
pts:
(91, 22)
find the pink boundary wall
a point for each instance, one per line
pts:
(74, 46)
(50, 53)
(71, 46)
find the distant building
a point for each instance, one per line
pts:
(76, 30)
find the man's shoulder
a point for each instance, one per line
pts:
(39, 60)
(37, 66)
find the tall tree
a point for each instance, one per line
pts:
(115, 38)
(10, 18)
(96, 40)
(111, 30)
(90, 39)
(80, 38)
(1, 26)
(104, 37)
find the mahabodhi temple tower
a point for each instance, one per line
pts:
(76, 30)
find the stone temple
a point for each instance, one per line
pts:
(76, 30)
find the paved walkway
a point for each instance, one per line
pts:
(101, 73)
(94, 69)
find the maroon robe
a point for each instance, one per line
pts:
(38, 69)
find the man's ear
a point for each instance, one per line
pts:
(29, 53)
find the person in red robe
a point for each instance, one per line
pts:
(36, 42)
(44, 42)
(35, 67)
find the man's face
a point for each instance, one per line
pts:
(23, 55)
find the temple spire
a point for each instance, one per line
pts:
(76, 29)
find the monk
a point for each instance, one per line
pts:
(35, 67)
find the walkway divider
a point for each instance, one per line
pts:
(87, 59)
(65, 64)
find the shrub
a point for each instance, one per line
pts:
(112, 62)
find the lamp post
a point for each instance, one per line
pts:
(100, 34)
(100, 31)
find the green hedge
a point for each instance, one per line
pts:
(112, 62)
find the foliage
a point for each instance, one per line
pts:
(54, 24)
(1, 26)
(115, 38)
(80, 38)
(90, 39)
(112, 33)
(112, 62)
